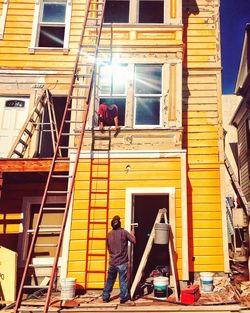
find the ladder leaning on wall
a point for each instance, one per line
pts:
(79, 92)
(33, 121)
(236, 186)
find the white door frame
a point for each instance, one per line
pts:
(170, 191)
(130, 192)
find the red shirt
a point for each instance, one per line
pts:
(108, 113)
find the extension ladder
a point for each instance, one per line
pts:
(77, 104)
(236, 186)
(24, 137)
(98, 213)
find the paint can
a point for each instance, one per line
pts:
(161, 233)
(207, 279)
(161, 287)
(68, 288)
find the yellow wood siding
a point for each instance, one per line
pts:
(201, 121)
(163, 172)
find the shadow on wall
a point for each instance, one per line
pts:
(190, 8)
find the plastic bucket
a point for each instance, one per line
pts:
(207, 279)
(68, 288)
(161, 233)
(160, 287)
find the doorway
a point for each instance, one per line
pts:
(45, 145)
(144, 212)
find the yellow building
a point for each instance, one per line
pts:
(161, 65)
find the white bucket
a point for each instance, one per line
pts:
(207, 279)
(161, 287)
(68, 288)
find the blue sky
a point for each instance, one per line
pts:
(235, 14)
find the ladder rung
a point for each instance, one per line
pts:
(99, 149)
(97, 223)
(100, 192)
(48, 226)
(29, 133)
(61, 176)
(82, 86)
(23, 143)
(53, 209)
(57, 192)
(46, 245)
(96, 272)
(76, 110)
(88, 45)
(98, 207)
(101, 138)
(97, 254)
(93, 26)
(51, 230)
(99, 238)
(100, 178)
(35, 287)
(64, 161)
(40, 265)
(97, 163)
(79, 97)
(76, 122)
(18, 153)
(66, 147)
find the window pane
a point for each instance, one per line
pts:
(151, 12)
(113, 79)
(116, 12)
(147, 111)
(148, 79)
(51, 37)
(121, 103)
(54, 13)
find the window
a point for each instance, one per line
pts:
(3, 15)
(113, 85)
(151, 11)
(116, 11)
(51, 25)
(148, 89)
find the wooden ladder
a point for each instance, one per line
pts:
(77, 105)
(173, 262)
(236, 186)
(32, 123)
(98, 213)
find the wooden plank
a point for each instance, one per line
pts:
(30, 165)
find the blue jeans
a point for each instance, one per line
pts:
(123, 282)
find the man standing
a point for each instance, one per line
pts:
(117, 242)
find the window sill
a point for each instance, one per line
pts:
(32, 50)
(142, 25)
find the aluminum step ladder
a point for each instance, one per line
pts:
(236, 186)
(75, 114)
(32, 124)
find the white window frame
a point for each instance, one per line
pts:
(24, 226)
(36, 26)
(148, 96)
(3, 17)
